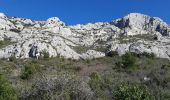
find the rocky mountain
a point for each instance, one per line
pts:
(24, 38)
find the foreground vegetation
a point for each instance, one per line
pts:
(127, 77)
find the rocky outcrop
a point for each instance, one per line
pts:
(161, 51)
(25, 38)
(54, 25)
(5, 24)
(142, 22)
(91, 54)
(63, 49)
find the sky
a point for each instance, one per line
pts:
(84, 11)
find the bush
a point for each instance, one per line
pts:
(46, 54)
(88, 61)
(166, 66)
(15, 30)
(12, 59)
(132, 92)
(129, 60)
(6, 90)
(1, 42)
(152, 55)
(29, 71)
(27, 25)
(95, 76)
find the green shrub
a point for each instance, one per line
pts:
(127, 63)
(46, 54)
(132, 92)
(6, 90)
(152, 55)
(12, 59)
(129, 60)
(88, 61)
(1, 42)
(166, 66)
(95, 76)
(29, 71)
(15, 30)
(27, 25)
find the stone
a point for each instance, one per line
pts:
(92, 54)
(138, 33)
(142, 22)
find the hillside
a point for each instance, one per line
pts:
(24, 38)
(125, 59)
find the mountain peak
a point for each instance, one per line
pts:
(142, 22)
(54, 21)
(136, 15)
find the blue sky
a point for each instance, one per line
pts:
(84, 11)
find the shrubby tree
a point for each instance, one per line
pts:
(128, 60)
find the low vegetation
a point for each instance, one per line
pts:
(46, 55)
(135, 38)
(5, 42)
(15, 30)
(7, 92)
(127, 77)
(12, 59)
(97, 85)
(132, 92)
(29, 71)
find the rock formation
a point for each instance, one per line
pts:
(24, 38)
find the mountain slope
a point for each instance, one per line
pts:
(24, 38)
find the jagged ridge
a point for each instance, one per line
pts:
(134, 32)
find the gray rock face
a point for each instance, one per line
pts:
(143, 22)
(24, 38)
